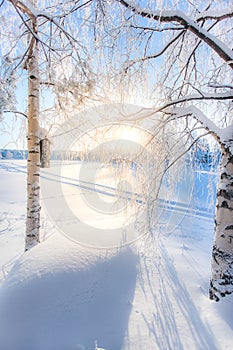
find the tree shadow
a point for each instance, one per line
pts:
(174, 321)
(63, 310)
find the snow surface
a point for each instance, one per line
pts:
(148, 295)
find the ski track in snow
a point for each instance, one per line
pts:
(108, 190)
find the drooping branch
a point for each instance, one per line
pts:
(176, 160)
(31, 31)
(179, 17)
(159, 53)
(220, 135)
(198, 97)
(16, 112)
(27, 8)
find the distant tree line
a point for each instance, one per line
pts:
(201, 156)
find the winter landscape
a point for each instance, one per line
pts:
(116, 175)
(148, 294)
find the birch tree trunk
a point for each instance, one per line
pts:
(33, 165)
(221, 282)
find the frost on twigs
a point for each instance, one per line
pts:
(71, 86)
(7, 85)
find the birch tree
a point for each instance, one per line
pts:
(42, 37)
(184, 49)
(177, 53)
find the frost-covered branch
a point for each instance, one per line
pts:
(223, 14)
(182, 154)
(154, 29)
(76, 6)
(198, 97)
(31, 11)
(215, 86)
(179, 17)
(8, 80)
(223, 136)
(16, 112)
(159, 53)
(26, 7)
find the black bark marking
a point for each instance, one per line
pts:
(224, 204)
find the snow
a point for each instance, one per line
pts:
(42, 133)
(224, 135)
(215, 14)
(151, 294)
(28, 7)
(199, 115)
(227, 136)
(227, 133)
(180, 17)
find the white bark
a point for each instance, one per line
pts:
(221, 282)
(33, 179)
(53, 29)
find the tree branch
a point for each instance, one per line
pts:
(26, 7)
(211, 15)
(197, 97)
(157, 54)
(177, 158)
(221, 86)
(16, 112)
(192, 111)
(178, 16)
(159, 30)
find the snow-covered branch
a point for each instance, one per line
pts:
(26, 7)
(8, 80)
(198, 97)
(221, 15)
(215, 86)
(223, 136)
(178, 16)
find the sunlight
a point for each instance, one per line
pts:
(107, 133)
(128, 132)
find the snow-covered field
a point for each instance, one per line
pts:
(151, 294)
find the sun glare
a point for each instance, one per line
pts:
(107, 133)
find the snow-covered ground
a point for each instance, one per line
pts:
(151, 294)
